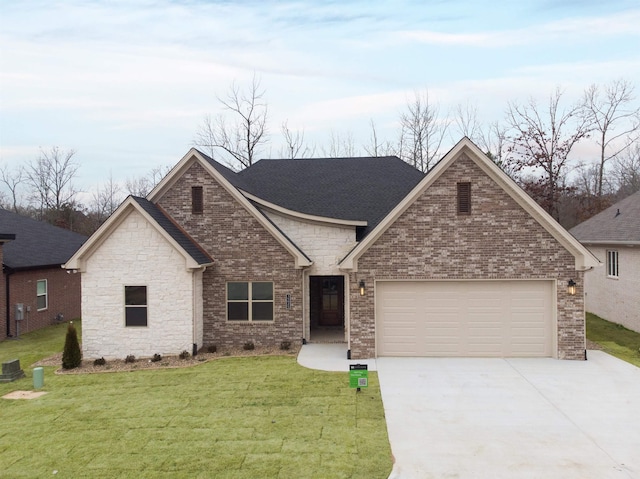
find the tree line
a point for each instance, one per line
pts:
(535, 143)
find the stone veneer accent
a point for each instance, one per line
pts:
(136, 254)
(499, 240)
(243, 250)
(615, 299)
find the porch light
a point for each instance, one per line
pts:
(362, 288)
(571, 287)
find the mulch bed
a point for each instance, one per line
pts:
(167, 362)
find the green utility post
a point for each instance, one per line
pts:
(38, 378)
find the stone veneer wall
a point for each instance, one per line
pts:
(136, 254)
(499, 240)
(243, 250)
(615, 299)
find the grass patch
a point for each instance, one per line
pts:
(244, 417)
(614, 338)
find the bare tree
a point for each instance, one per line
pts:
(142, 186)
(377, 147)
(241, 138)
(422, 132)
(541, 141)
(12, 179)
(615, 122)
(340, 146)
(295, 146)
(106, 200)
(626, 171)
(493, 140)
(466, 121)
(51, 179)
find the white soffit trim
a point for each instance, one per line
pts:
(302, 216)
(78, 260)
(301, 261)
(584, 259)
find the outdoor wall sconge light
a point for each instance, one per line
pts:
(571, 287)
(362, 288)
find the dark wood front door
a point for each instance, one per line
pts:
(327, 300)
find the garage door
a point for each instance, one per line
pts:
(464, 318)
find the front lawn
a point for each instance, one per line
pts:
(253, 417)
(614, 339)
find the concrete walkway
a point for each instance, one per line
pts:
(506, 418)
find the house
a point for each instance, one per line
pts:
(613, 236)
(458, 262)
(32, 253)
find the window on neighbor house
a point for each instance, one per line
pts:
(250, 301)
(464, 198)
(197, 199)
(612, 264)
(135, 305)
(42, 299)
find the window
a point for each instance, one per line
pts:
(197, 201)
(464, 198)
(612, 264)
(42, 300)
(135, 305)
(250, 301)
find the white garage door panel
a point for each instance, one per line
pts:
(464, 318)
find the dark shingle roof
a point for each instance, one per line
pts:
(180, 237)
(361, 189)
(618, 223)
(37, 244)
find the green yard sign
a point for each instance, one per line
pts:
(358, 376)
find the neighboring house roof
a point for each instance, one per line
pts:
(618, 224)
(194, 256)
(583, 257)
(37, 244)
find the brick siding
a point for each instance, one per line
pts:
(243, 250)
(499, 240)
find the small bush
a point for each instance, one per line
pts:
(130, 359)
(249, 346)
(285, 345)
(212, 348)
(156, 357)
(71, 355)
(99, 362)
(184, 355)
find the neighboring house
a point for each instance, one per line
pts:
(613, 236)
(458, 262)
(32, 253)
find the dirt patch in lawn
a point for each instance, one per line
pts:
(24, 394)
(119, 365)
(593, 345)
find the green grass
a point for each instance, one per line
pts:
(614, 338)
(253, 417)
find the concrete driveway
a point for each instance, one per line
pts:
(512, 418)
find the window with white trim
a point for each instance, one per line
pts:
(250, 301)
(135, 305)
(42, 296)
(612, 264)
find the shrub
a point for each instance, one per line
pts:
(71, 356)
(130, 359)
(285, 345)
(156, 357)
(212, 348)
(248, 346)
(184, 355)
(99, 362)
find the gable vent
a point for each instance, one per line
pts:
(464, 198)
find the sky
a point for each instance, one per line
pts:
(126, 84)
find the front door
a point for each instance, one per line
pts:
(327, 301)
